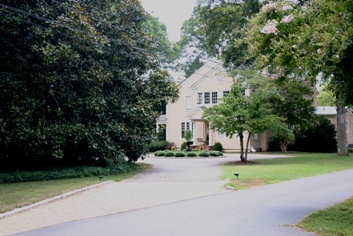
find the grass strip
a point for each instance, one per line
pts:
(332, 221)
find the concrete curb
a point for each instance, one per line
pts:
(65, 195)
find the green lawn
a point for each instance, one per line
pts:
(282, 169)
(336, 220)
(22, 194)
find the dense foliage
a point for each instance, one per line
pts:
(320, 137)
(78, 80)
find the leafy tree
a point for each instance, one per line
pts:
(295, 105)
(297, 43)
(168, 51)
(325, 97)
(78, 81)
(239, 113)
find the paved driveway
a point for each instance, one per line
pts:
(184, 197)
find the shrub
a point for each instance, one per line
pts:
(183, 146)
(214, 153)
(169, 154)
(191, 154)
(180, 154)
(157, 145)
(201, 148)
(220, 153)
(204, 154)
(273, 144)
(321, 137)
(218, 147)
(350, 150)
(159, 153)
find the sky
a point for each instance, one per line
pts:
(172, 13)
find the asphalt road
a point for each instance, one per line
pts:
(265, 210)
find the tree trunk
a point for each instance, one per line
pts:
(341, 129)
(283, 144)
(241, 137)
(247, 147)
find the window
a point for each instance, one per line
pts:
(347, 126)
(188, 103)
(186, 126)
(207, 98)
(199, 98)
(225, 94)
(254, 136)
(221, 135)
(214, 97)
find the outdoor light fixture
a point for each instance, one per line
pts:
(236, 174)
(100, 177)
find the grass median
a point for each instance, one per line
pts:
(22, 194)
(269, 171)
(336, 220)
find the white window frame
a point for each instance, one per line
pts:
(225, 94)
(254, 136)
(199, 98)
(188, 125)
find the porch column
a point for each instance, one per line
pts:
(210, 136)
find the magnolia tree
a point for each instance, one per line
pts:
(302, 43)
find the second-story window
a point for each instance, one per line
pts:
(188, 103)
(214, 97)
(207, 98)
(199, 98)
(225, 93)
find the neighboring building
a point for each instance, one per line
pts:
(204, 89)
(201, 90)
(331, 114)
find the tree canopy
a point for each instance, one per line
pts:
(296, 42)
(78, 81)
(250, 113)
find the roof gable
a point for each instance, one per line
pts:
(211, 67)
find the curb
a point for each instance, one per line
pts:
(65, 195)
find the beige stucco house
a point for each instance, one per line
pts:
(201, 90)
(204, 89)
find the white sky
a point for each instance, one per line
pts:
(172, 13)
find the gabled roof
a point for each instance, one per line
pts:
(196, 114)
(325, 110)
(211, 66)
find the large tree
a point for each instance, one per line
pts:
(78, 81)
(243, 113)
(306, 42)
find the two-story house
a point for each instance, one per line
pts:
(204, 89)
(201, 90)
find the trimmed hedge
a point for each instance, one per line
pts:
(214, 153)
(65, 173)
(169, 154)
(159, 153)
(204, 154)
(220, 153)
(180, 154)
(191, 154)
